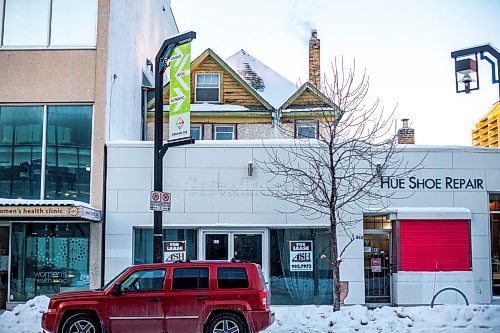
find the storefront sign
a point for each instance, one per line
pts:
(446, 183)
(376, 264)
(173, 251)
(51, 211)
(48, 278)
(301, 256)
(180, 93)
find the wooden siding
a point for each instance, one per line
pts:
(307, 98)
(232, 92)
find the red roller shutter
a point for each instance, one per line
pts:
(434, 245)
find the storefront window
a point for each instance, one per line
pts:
(48, 258)
(301, 287)
(69, 139)
(48, 22)
(21, 129)
(143, 243)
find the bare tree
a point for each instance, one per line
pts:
(338, 175)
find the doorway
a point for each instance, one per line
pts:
(237, 245)
(4, 265)
(377, 268)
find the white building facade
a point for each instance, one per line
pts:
(440, 230)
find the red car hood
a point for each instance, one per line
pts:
(78, 294)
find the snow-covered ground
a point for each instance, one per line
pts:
(26, 318)
(356, 318)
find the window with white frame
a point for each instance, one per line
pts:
(306, 131)
(224, 132)
(207, 87)
(196, 131)
(46, 23)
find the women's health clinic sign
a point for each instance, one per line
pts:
(301, 256)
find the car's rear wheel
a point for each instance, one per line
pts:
(226, 323)
(81, 323)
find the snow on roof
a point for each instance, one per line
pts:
(27, 202)
(273, 87)
(204, 107)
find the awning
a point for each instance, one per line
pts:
(423, 213)
(58, 209)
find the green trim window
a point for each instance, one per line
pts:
(197, 131)
(207, 87)
(306, 132)
(45, 152)
(224, 132)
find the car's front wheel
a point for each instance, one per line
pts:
(81, 323)
(226, 323)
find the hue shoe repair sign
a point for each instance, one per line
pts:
(180, 93)
(301, 256)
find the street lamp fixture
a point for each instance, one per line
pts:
(466, 74)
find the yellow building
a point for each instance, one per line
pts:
(486, 132)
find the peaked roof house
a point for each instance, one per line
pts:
(242, 98)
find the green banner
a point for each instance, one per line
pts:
(180, 92)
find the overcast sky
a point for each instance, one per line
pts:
(404, 45)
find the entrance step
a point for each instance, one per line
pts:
(495, 300)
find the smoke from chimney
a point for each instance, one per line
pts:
(314, 60)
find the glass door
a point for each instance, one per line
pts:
(237, 245)
(248, 247)
(217, 247)
(4, 265)
(377, 268)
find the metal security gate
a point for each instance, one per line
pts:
(377, 258)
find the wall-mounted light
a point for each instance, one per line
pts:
(87, 168)
(250, 169)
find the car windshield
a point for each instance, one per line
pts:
(113, 279)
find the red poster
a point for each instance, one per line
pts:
(376, 264)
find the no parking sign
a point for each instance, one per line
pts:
(160, 201)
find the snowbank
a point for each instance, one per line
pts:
(25, 318)
(356, 318)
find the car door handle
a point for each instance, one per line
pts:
(153, 299)
(201, 298)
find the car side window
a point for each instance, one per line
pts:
(145, 280)
(190, 278)
(232, 277)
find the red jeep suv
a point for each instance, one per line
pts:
(187, 297)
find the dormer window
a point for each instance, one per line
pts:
(207, 88)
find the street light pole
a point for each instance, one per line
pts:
(160, 148)
(481, 49)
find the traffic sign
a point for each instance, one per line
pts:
(160, 201)
(155, 200)
(165, 201)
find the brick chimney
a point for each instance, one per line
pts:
(406, 135)
(314, 71)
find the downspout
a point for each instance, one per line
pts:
(103, 229)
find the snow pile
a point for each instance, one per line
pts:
(357, 318)
(25, 318)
